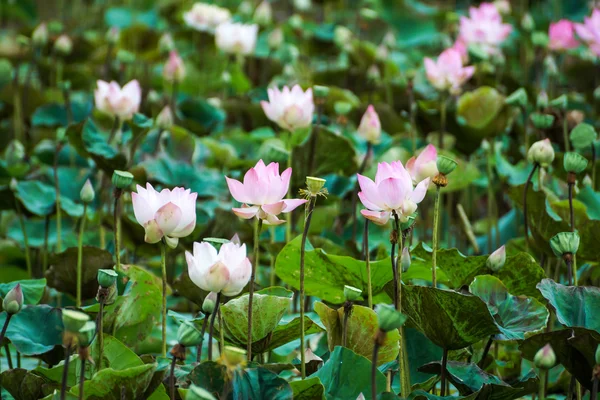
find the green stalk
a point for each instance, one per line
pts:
(163, 263)
(100, 333)
(436, 221)
(402, 359)
(272, 237)
(442, 121)
(368, 262)
(490, 202)
(309, 212)
(116, 228)
(25, 239)
(79, 254)
(257, 227)
(288, 222)
(542, 386)
(566, 133)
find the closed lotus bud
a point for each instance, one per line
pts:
(541, 152)
(153, 97)
(209, 303)
(583, 136)
(545, 357)
(370, 126)
(86, 334)
(73, 320)
(352, 294)
(166, 43)
(405, 259)
(263, 15)
(197, 393)
(13, 301)
(485, 145)
(587, 181)
(315, 185)
(122, 179)
(389, 318)
(518, 98)
(503, 6)
(302, 5)
(275, 38)
(39, 37)
(497, 259)
(382, 53)
(574, 162)
(564, 243)
(14, 153)
(113, 34)
(164, 120)
(445, 165)
(245, 8)
(174, 70)
(234, 356)
(527, 22)
(542, 100)
(188, 335)
(87, 192)
(107, 277)
(361, 397)
(63, 45)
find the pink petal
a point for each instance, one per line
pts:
(246, 212)
(392, 193)
(167, 217)
(418, 194)
(379, 218)
(237, 189)
(274, 208)
(141, 209)
(291, 204)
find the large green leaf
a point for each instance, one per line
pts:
(259, 383)
(420, 350)
(308, 389)
(325, 275)
(480, 113)
(33, 289)
(117, 356)
(515, 316)
(460, 320)
(38, 198)
(210, 376)
(576, 306)
(361, 329)
(22, 385)
(35, 329)
(109, 384)
(285, 333)
(91, 143)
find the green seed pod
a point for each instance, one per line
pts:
(188, 335)
(352, 294)
(314, 185)
(542, 121)
(564, 243)
(545, 357)
(86, 334)
(73, 320)
(445, 165)
(198, 393)
(122, 179)
(320, 91)
(517, 98)
(583, 136)
(233, 355)
(87, 192)
(540, 39)
(13, 301)
(575, 162)
(107, 277)
(389, 318)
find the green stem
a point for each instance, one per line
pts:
(443, 375)
(442, 122)
(368, 262)
(436, 220)
(81, 378)
(79, 254)
(593, 166)
(163, 263)
(490, 202)
(100, 333)
(288, 222)
(374, 369)
(257, 227)
(309, 212)
(25, 239)
(212, 326)
(58, 210)
(116, 228)
(566, 133)
(65, 376)
(542, 386)
(272, 237)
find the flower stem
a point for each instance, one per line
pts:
(81, 378)
(79, 254)
(443, 374)
(257, 227)
(525, 220)
(361, 169)
(374, 368)
(490, 202)
(442, 122)
(65, 376)
(172, 378)
(45, 254)
(212, 326)
(393, 241)
(542, 386)
(100, 333)
(368, 262)
(486, 350)
(5, 327)
(566, 134)
(174, 100)
(116, 227)
(163, 263)
(347, 311)
(199, 347)
(593, 166)
(288, 222)
(436, 221)
(594, 393)
(25, 239)
(221, 333)
(309, 212)
(571, 210)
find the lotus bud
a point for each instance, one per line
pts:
(485, 145)
(245, 8)
(574, 162)
(541, 152)
(63, 45)
(405, 259)
(234, 356)
(370, 126)
(583, 136)
(263, 15)
(87, 192)
(382, 53)
(518, 98)
(503, 6)
(164, 120)
(564, 243)
(352, 294)
(174, 69)
(373, 73)
(166, 43)
(361, 397)
(497, 259)
(122, 179)
(389, 318)
(561, 102)
(209, 303)
(39, 37)
(545, 357)
(197, 393)
(226, 77)
(445, 165)
(86, 334)
(13, 301)
(188, 335)
(302, 5)
(14, 153)
(315, 185)
(275, 38)
(295, 21)
(587, 181)
(527, 22)
(112, 36)
(73, 320)
(550, 66)
(542, 100)
(107, 277)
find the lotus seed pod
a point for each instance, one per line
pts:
(445, 165)
(233, 355)
(188, 335)
(561, 102)
(73, 320)
(574, 162)
(342, 107)
(352, 294)
(86, 334)
(583, 136)
(542, 121)
(565, 243)
(107, 277)
(389, 318)
(320, 91)
(314, 185)
(122, 179)
(545, 357)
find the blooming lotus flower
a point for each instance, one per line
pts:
(206, 17)
(561, 35)
(484, 27)
(370, 126)
(262, 193)
(290, 109)
(460, 46)
(424, 166)
(169, 214)
(119, 102)
(392, 191)
(448, 73)
(589, 31)
(227, 271)
(236, 38)
(174, 70)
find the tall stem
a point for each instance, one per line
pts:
(436, 221)
(212, 326)
(594, 393)
(361, 169)
(172, 378)
(374, 369)
(174, 100)
(25, 238)
(347, 311)
(116, 227)
(5, 326)
(79, 254)
(542, 387)
(288, 222)
(81, 378)
(199, 347)
(100, 333)
(566, 133)
(442, 122)
(571, 210)
(368, 262)
(65, 376)
(443, 375)
(257, 227)
(525, 219)
(593, 166)
(163, 263)
(486, 350)
(58, 209)
(309, 211)
(45, 254)
(490, 201)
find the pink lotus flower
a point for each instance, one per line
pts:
(290, 109)
(589, 31)
(169, 214)
(448, 72)
(561, 35)
(370, 126)
(460, 46)
(484, 27)
(236, 38)
(392, 192)
(174, 70)
(206, 17)
(120, 103)
(262, 193)
(424, 166)
(227, 271)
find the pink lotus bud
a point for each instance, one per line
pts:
(174, 70)
(561, 35)
(120, 103)
(497, 259)
(370, 126)
(290, 109)
(13, 301)
(448, 73)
